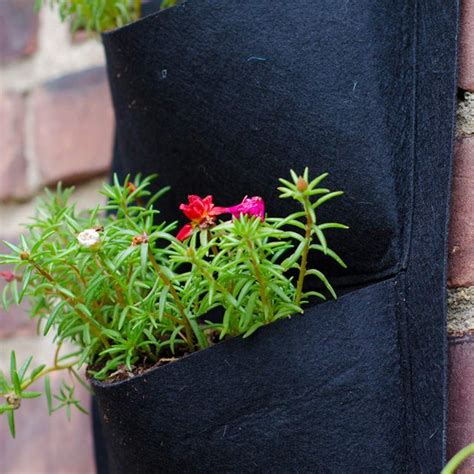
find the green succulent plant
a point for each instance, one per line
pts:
(121, 291)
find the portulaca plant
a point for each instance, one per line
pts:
(123, 292)
(97, 16)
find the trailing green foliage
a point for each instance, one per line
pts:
(456, 461)
(121, 293)
(99, 15)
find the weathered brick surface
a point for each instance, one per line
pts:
(73, 127)
(18, 29)
(12, 146)
(461, 234)
(64, 128)
(466, 46)
(465, 115)
(461, 398)
(48, 444)
(15, 322)
(461, 311)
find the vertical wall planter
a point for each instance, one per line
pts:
(316, 393)
(223, 98)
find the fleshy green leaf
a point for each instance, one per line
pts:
(11, 422)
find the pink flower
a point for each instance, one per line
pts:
(201, 212)
(253, 206)
(8, 276)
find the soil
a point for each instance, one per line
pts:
(124, 373)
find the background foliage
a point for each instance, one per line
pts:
(99, 15)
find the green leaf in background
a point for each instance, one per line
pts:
(97, 16)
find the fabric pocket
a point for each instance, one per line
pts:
(224, 98)
(320, 392)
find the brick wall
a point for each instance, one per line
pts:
(56, 124)
(461, 253)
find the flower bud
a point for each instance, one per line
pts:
(24, 255)
(139, 240)
(131, 187)
(190, 252)
(13, 400)
(301, 184)
(8, 276)
(89, 238)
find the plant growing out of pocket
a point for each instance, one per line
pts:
(97, 16)
(122, 291)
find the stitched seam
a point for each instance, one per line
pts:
(406, 369)
(409, 231)
(406, 374)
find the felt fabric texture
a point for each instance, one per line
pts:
(300, 396)
(224, 97)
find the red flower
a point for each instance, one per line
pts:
(253, 206)
(185, 232)
(201, 213)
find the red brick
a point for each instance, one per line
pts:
(461, 398)
(73, 123)
(466, 46)
(12, 145)
(461, 234)
(48, 444)
(18, 29)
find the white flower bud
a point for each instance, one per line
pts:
(89, 238)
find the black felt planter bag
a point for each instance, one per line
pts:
(223, 97)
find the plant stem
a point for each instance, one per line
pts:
(78, 273)
(458, 459)
(213, 247)
(304, 255)
(118, 289)
(47, 371)
(73, 303)
(138, 9)
(176, 321)
(56, 353)
(211, 279)
(267, 309)
(187, 325)
(174, 294)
